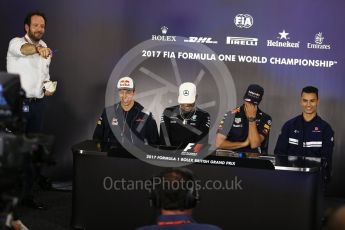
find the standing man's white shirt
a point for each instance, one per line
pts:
(33, 69)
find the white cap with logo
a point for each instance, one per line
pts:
(125, 83)
(187, 93)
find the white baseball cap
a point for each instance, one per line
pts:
(187, 93)
(125, 83)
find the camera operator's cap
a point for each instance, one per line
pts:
(187, 93)
(254, 94)
(125, 83)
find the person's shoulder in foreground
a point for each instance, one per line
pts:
(185, 222)
(176, 203)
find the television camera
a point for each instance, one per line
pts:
(16, 147)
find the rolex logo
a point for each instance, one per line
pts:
(164, 30)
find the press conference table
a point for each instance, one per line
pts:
(273, 193)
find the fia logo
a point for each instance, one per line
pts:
(243, 21)
(237, 120)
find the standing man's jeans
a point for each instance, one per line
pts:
(33, 111)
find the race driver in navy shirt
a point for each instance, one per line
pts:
(246, 129)
(307, 134)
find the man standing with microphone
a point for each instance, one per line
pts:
(30, 57)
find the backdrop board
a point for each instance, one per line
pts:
(222, 46)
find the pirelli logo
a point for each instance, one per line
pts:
(242, 41)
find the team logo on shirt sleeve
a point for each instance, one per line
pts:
(236, 110)
(208, 121)
(114, 121)
(267, 127)
(221, 124)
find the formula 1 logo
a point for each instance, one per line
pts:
(243, 21)
(196, 149)
(206, 40)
